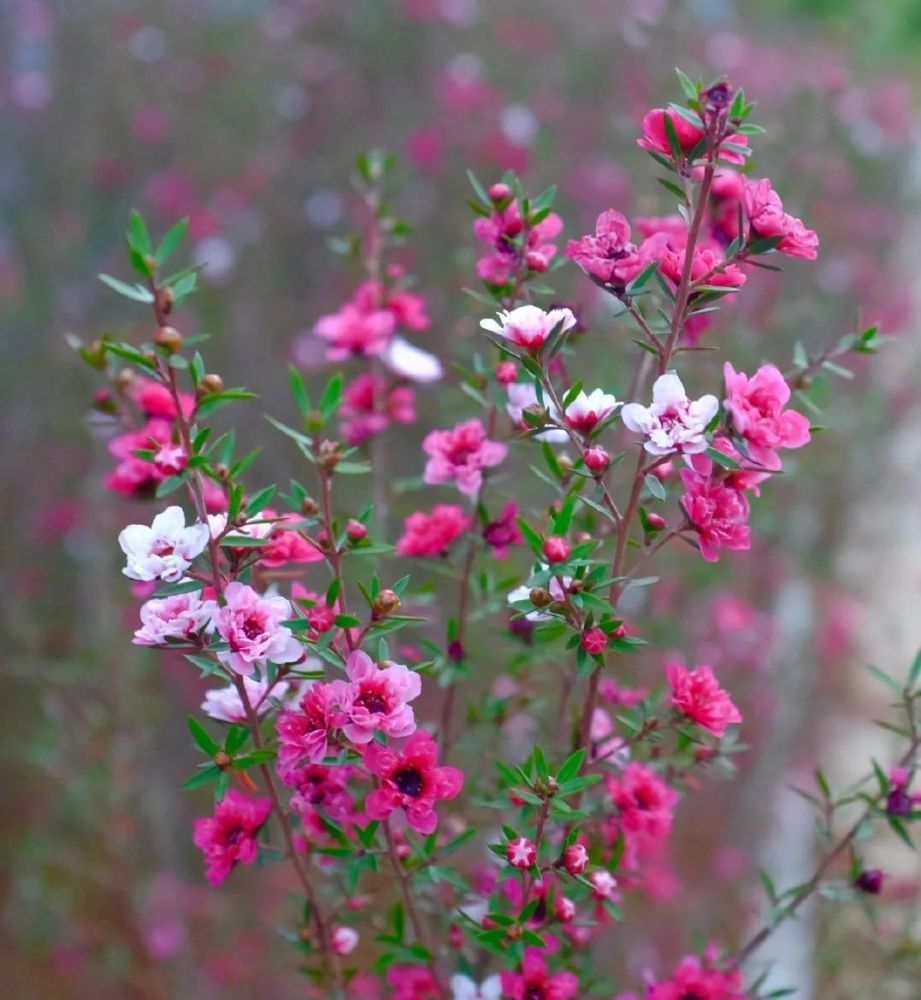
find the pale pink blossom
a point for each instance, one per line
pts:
(408, 361)
(375, 699)
(460, 455)
(344, 940)
(587, 410)
(252, 625)
(305, 732)
(529, 326)
(464, 988)
(522, 395)
(673, 422)
(756, 405)
(180, 616)
(698, 696)
(225, 704)
(165, 550)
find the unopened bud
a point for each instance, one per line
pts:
(556, 548)
(210, 384)
(386, 603)
(124, 378)
(536, 261)
(499, 192)
(309, 507)
(596, 459)
(165, 300)
(222, 759)
(539, 597)
(356, 531)
(656, 522)
(506, 372)
(328, 454)
(169, 338)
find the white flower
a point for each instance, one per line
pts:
(529, 326)
(521, 395)
(165, 550)
(225, 704)
(405, 359)
(177, 617)
(673, 422)
(345, 940)
(585, 411)
(217, 524)
(464, 988)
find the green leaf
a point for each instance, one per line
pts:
(655, 487)
(687, 85)
(136, 292)
(478, 189)
(201, 737)
(572, 766)
(715, 455)
(210, 772)
(299, 392)
(672, 135)
(915, 671)
(137, 235)
(332, 396)
(171, 241)
(216, 400)
(882, 676)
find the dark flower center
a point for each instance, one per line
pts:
(233, 834)
(373, 701)
(252, 628)
(534, 992)
(690, 996)
(409, 781)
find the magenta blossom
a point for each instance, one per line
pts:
(698, 696)
(535, 981)
(411, 780)
(608, 256)
(692, 978)
(756, 406)
(229, 836)
(767, 218)
(432, 534)
(644, 801)
(252, 625)
(375, 699)
(655, 137)
(504, 532)
(353, 330)
(305, 733)
(717, 512)
(460, 455)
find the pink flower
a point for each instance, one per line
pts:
(134, 476)
(694, 979)
(180, 616)
(673, 422)
(411, 781)
(171, 459)
(575, 859)
(717, 512)
(504, 532)
(460, 455)
(156, 400)
(252, 625)
(587, 410)
(698, 695)
(535, 981)
(529, 326)
(501, 230)
(655, 138)
(603, 883)
(375, 700)
(304, 733)
(767, 218)
(644, 801)
(225, 704)
(353, 330)
(594, 640)
(432, 534)
(370, 405)
(556, 548)
(609, 256)
(408, 308)
(756, 405)
(521, 852)
(229, 836)
(344, 940)
(285, 542)
(165, 550)
(707, 263)
(412, 982)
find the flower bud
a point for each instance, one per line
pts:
(536, 261)
(870, 881)
(596, 459)
(386, 603)
(521, 853)
(210, 384)
(620, 632)
(656, 522)
(309, 506)
(499, 192)
(124, 378)
(165, 300)
(222, 759)
(556, 549)
(169, 338)
(603, 883)
(564, 909)
(594, 640)
(575, 859)
(356, 531)
(344, 940)
(328, 455)
(506, 372)
(539, 597)
(103, 401)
